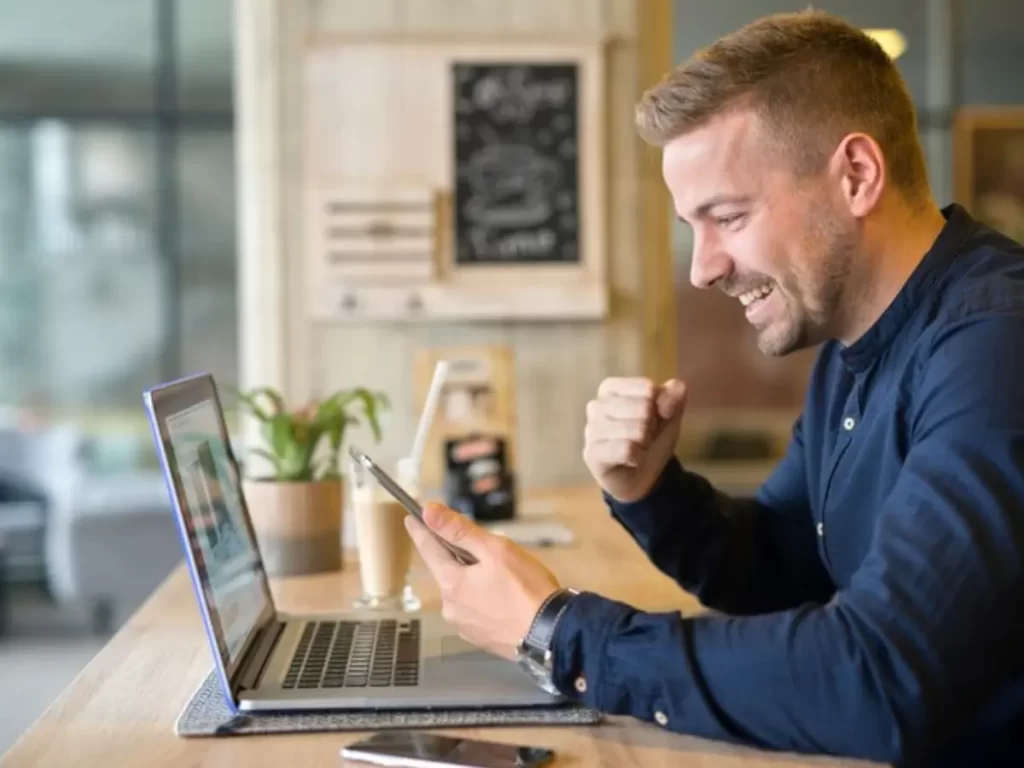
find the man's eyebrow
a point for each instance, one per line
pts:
(707, 205)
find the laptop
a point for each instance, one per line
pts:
(270, 661)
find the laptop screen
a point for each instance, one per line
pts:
(227, 564)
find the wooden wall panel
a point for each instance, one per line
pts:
(558, 365)
(625, 267)
(654, 27)
(578, 16)
(263, 305)
(620, 16)
(352, 15)
(302, 340)
(442, 16)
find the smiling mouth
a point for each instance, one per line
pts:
(757, 294)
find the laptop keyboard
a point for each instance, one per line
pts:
(356, 654)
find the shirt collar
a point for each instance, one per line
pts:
(859, 355)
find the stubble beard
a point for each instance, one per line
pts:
(815, 292)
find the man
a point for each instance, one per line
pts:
(870, 599)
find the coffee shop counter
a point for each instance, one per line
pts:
(121, 709)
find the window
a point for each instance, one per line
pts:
(117, 206)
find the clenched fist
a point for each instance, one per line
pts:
(631, 433)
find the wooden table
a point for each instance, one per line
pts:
(120, 710)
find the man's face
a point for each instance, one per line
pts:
(782, 245)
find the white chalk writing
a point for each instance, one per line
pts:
(507, 96)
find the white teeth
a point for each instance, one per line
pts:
(751, 296)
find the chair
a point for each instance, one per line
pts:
(109, 538)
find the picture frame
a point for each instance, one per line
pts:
(453, 161)
(988, 166)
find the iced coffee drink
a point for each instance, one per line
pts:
(385, 549)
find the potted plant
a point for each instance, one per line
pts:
(296, 506)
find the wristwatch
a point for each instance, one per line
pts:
(534, 653)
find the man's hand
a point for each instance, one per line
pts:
(631, 433)
(492, 603)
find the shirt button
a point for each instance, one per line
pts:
(821, 529)
(660, 718)
(849, 423)
(580, 684)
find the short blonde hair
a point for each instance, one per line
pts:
(811, 77)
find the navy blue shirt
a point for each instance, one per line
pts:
(869, 601)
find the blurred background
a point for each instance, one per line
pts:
(128, 257)
(117, 270)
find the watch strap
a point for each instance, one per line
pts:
(542, 630)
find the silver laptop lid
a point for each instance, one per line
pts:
(205, 489)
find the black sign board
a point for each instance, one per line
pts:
(517, 166)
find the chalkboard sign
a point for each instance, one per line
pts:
(517, 166)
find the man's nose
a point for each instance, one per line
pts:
(709, 262)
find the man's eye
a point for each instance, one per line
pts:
(730, 220)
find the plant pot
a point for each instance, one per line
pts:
(297, 525)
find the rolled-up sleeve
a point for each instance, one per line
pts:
(897, 664)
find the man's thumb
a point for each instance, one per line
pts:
(451, 526)
(671, 399)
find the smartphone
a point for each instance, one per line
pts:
(427, 750)
(411, 505)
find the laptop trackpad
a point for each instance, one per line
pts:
(477, 673)
(454, 648)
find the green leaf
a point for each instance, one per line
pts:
(292, 440)
(271, 394)
(336, 432)
(295, 464)
(253, 406)
(370, 403)
(330, 411)
(281, 437)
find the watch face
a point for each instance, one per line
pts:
(526, 660)
(540, 675)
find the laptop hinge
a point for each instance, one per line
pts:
(259, 654)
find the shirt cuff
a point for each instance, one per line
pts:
(622, 661)
(647, 514)
(580, 647)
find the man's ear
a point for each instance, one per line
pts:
(859, 166)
